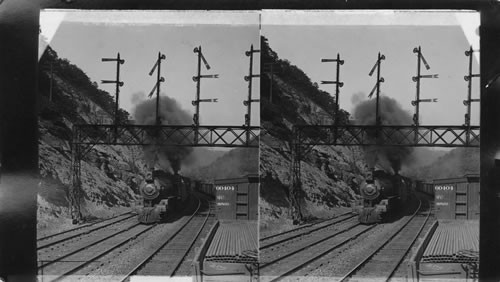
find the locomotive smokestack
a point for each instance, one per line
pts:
(175, 163)
(370, 175)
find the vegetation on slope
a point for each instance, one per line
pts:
(327, 173)
(62, 105)
(283, 107)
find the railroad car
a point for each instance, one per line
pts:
(206, 188)
(381, 195)
(162, 193)
(230, 249)
(425, 187)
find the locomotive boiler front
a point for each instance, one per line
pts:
(149, 191)
(378, 195)
(162, 194)
(369, 190)
(153, 208)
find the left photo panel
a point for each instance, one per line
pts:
(148, 145)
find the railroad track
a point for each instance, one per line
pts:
(173, 253)
(84, 255)
(302, 227)
(78, 234)
(289, 256)
(381, 264)
(84, 227)
(74, 260)
(305, 230)
(185, 269)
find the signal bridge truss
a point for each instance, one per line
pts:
(167, 135)
(387, 135)
(305, 137)
(86, 136)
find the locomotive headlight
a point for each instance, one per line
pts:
(150, 191)
(370, 191)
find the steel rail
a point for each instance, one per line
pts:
(302, 227)
(94, 258)
(81, 234)
(80, 227)
(336, 246)
(148, 258)
(193, 241)
(308, 246)
(304, 233)
(114, 247)
(87, 246)
(359, 265)
(411, 244)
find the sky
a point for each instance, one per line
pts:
(84, 37)
(304, 38)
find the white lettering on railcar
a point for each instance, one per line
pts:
(444, 187)
(224, 188)
(441, 204)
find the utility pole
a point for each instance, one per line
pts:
(417, 101)
(248, 103)
(338, 84)
(469, 100)
(269, 68)
(159, 80)
(377, 87)
(197, 101)
(118, 84)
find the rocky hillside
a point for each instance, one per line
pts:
(110, 174)
(330, 175)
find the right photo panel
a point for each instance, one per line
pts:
(369, 148)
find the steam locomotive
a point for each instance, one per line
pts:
(162, 193)
(381, 195)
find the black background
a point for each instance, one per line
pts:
(19, 28)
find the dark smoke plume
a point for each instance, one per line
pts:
(170, 113)
(391, 113)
